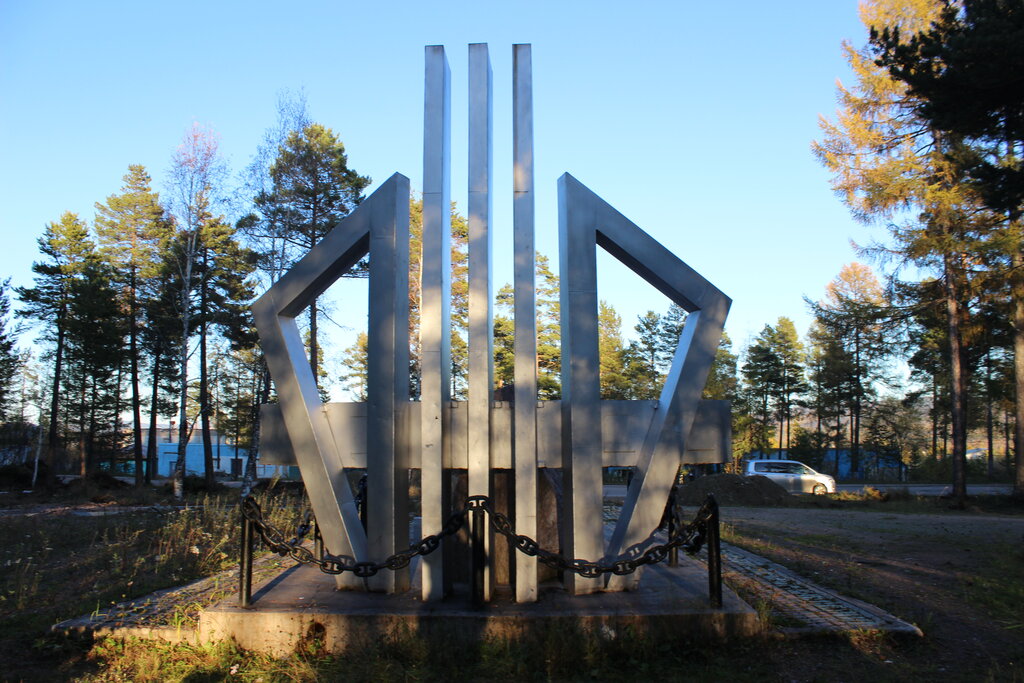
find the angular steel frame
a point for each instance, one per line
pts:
(585, 222)
(380, 227)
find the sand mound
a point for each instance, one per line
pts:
(732, 489)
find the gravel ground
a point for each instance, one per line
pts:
(958, 577)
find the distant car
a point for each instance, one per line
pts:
(793, 476)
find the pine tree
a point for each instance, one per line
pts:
(94, 343)
(354, 357)
(614, 384)
(829, 370)
(161, 340)
(549, 332)
(549, 361)
(357, 363)
(789, 350)
(891, 165)
(312, 190)
(67, 249)
(130, 227)
(963, 70)
(722, 384)
(762, 375)
(852, 314)
(668, 335)
(9, 358)
(223, 290)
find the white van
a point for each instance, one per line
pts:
(793, 476)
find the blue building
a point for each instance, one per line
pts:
(228, 460)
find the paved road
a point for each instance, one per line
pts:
(619, 490)
(933, 489)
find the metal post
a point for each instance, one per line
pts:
(524, 435)
(481, 319)
(673, 554)
(361, 500)
(478, 553)
(245, 565)
(318, 541)
(435, 305)
(714, 556)
(582, 529)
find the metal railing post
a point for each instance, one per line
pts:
(714, 555)
(318, 541)
(673, 554)
(245, 565)
(478, 554)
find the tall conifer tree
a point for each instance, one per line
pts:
(130, 227)
(890, 165)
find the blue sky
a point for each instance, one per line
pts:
(692, 119)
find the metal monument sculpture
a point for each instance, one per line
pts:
(389, 435)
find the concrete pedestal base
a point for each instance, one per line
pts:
(302, 603)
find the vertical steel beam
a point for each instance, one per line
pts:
(481, 315)
(387, 380)
(524, 442)
(581, 392)
(435, 303)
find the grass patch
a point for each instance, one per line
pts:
(559, 654)
(54, 567)
(902, 501)
(997, 586)
(58, 565)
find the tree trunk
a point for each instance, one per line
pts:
(83, 465)
(58, 365)
(152, 458)
(858, 388)
(989, 423)
(133, 372)
(261, 397)
(1006, 439)
(91, 441)
(117, 415)
(204, 379)
(1018, 372)
(314, 348)
(186, 290)
(204, 408)
(957, 384)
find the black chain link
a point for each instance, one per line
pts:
(337, 564)
(690, 537)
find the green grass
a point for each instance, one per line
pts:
(906, 503)
(558, 654)
(60, 566)
(52, 568)
(997, 586)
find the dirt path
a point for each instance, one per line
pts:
(960, 578)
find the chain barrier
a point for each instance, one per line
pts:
(688, 536)
(337, 564)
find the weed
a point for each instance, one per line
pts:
(997, 586)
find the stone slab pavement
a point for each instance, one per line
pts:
(805, 606)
